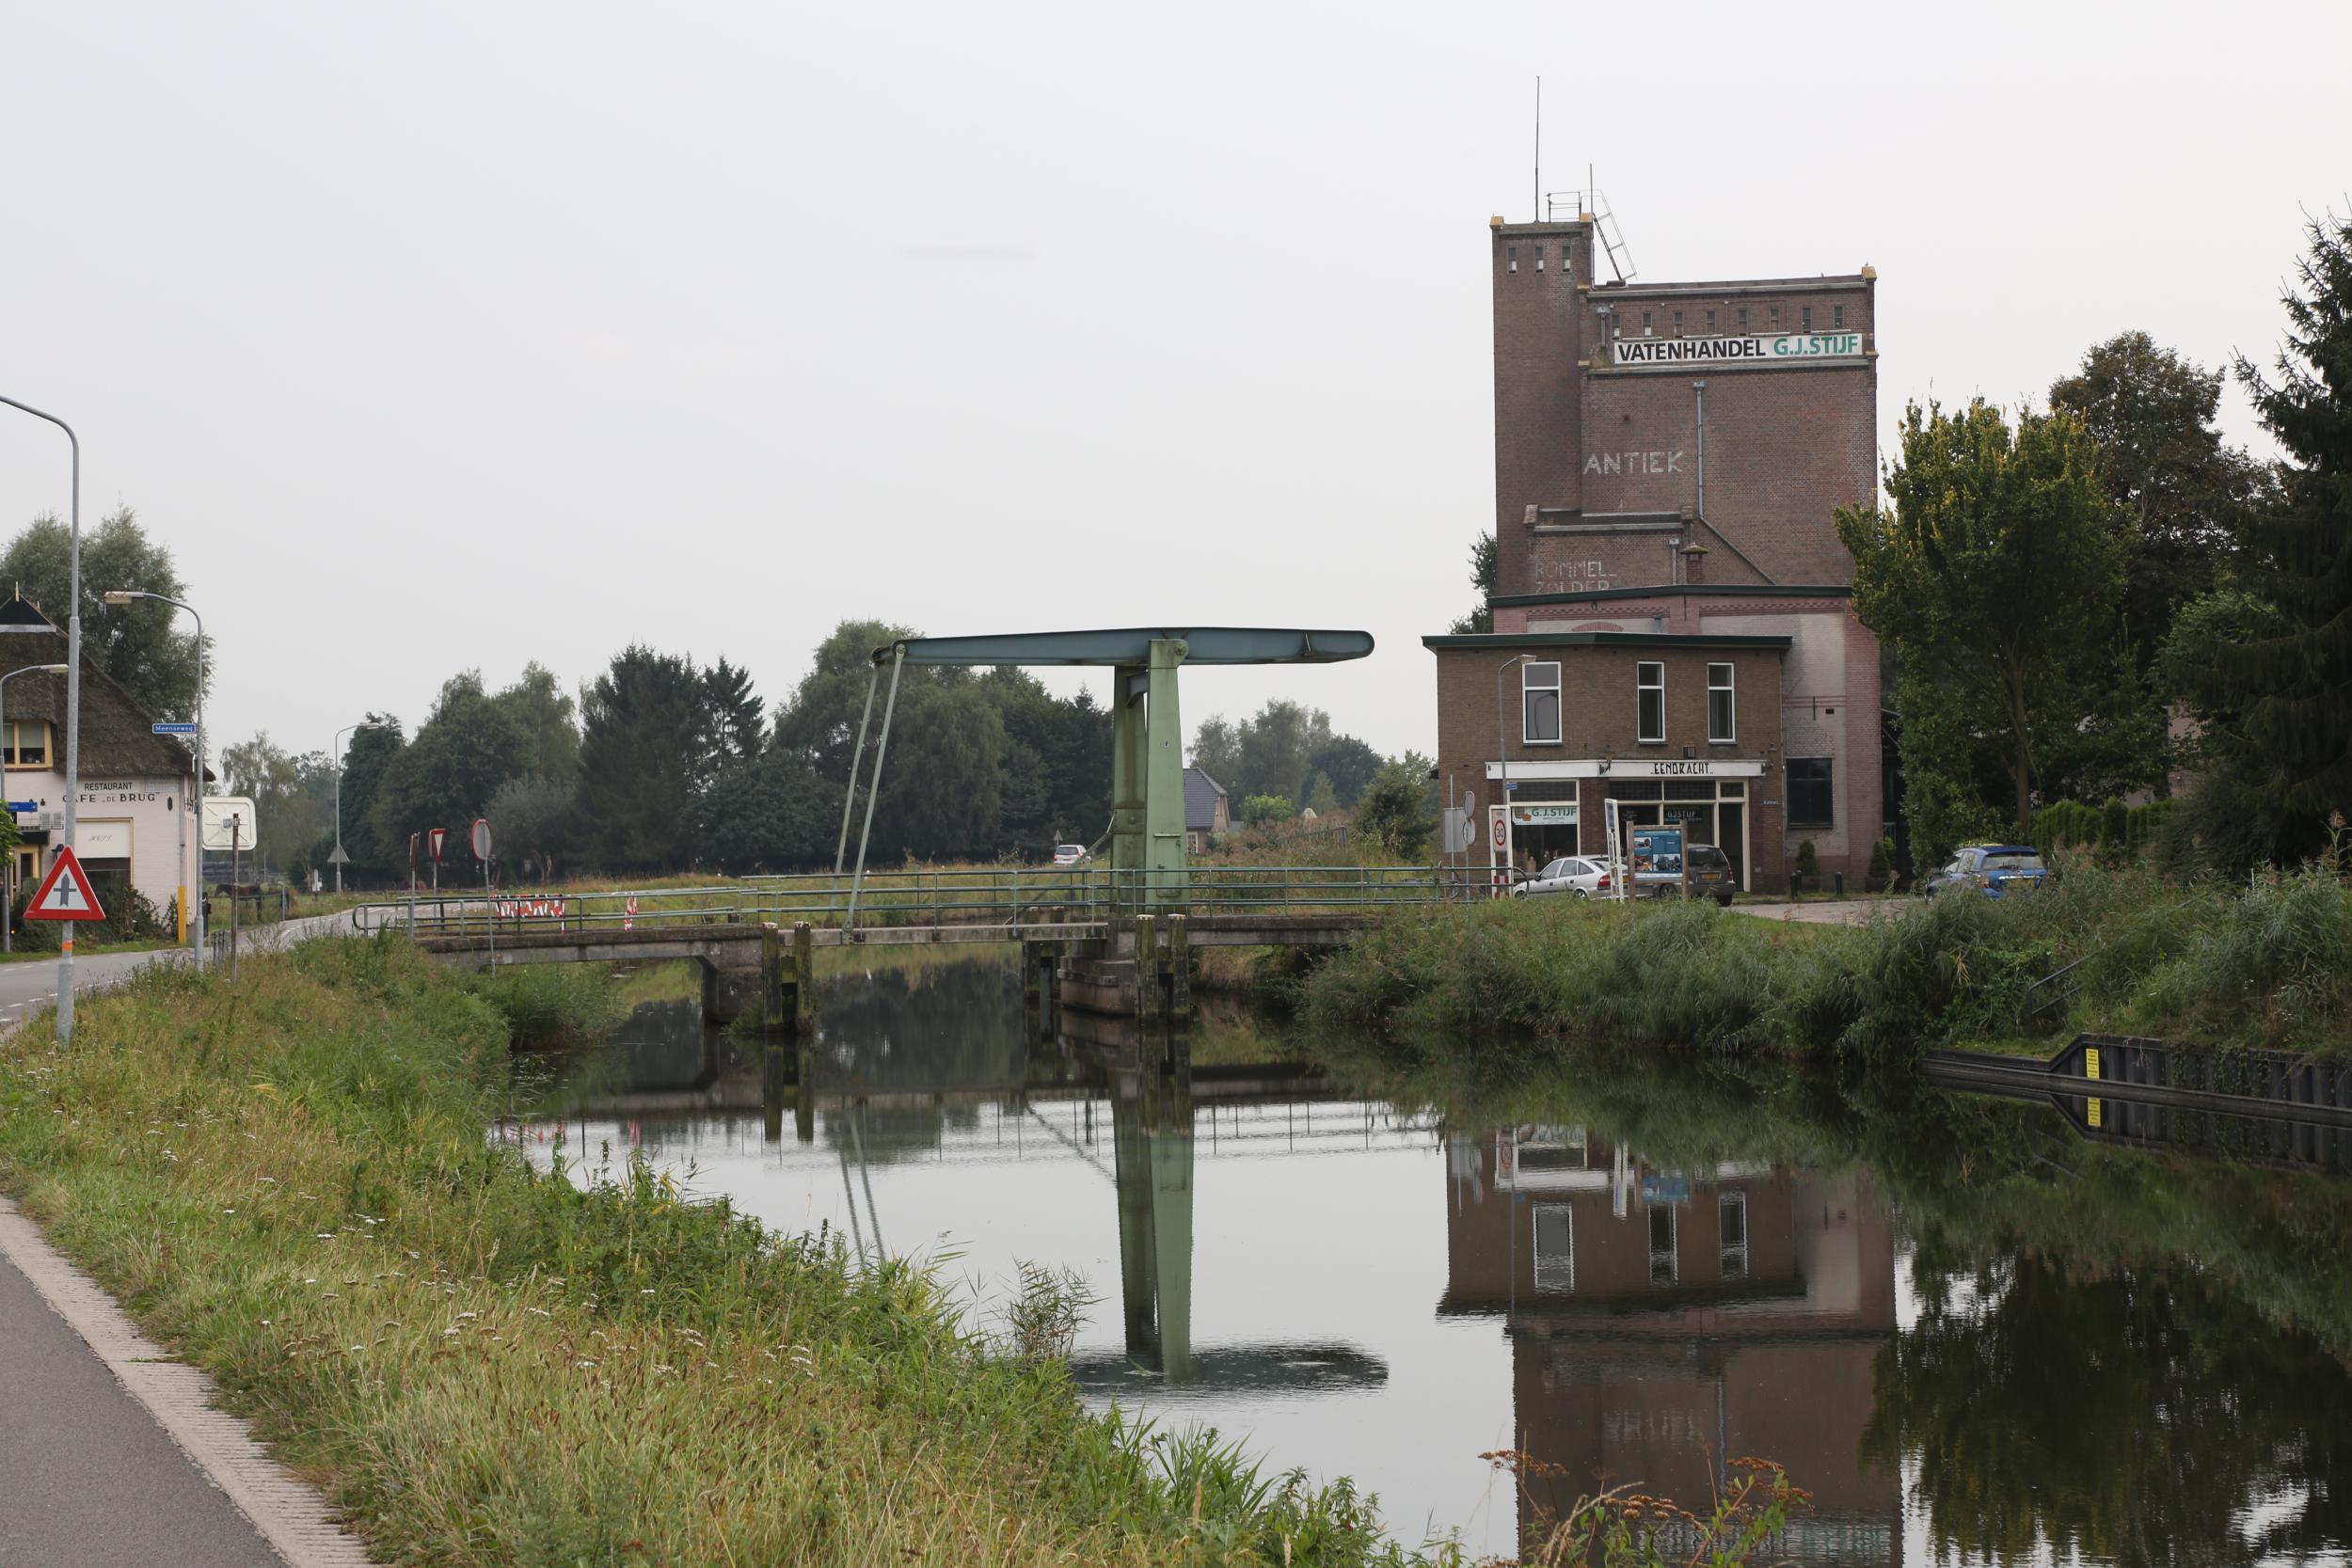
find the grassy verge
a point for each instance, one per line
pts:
(289, 1181)
(2254, 965)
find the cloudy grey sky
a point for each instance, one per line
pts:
(439, 336)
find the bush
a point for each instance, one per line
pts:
(1267, 808)
(1808, 861)
(1882, 866)
(1394, 812)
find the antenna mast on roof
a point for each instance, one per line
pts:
(1538, 192)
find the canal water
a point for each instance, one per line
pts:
(1974, 1330)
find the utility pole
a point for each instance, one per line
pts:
(72, 708)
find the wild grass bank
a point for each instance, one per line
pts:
(2255, 964)
(289, 1181)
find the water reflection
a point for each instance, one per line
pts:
(1633, 1271)
(1664, 1321)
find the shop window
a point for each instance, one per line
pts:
(1649, 681)
(1555, 1248)
(1810, 800)
(1721, 724)
(1539, 686)
(1665, 1264)
(28, 743)
(1731, 1216)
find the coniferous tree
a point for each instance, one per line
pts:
(2270, 669)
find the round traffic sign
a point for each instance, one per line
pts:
(482, 838)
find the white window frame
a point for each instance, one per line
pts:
(1528, 686)
(1641, 687)
(1735, 1257)
(1731, 705)
(1555, 1271)
(1665, 1267)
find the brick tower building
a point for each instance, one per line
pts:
(1668, 457)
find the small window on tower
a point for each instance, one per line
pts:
(1539, 257)
(1677, 324)
(1775, 318)
(1808, 318)
(1743, 318)
(1838, 315)
(1646, 324)
(1710, 321)
(1513, 251)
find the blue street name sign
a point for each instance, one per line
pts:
(24, 805)
(173, 729)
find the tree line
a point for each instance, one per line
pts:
(660, 764)
(2086, 600)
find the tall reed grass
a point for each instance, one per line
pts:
(2268, 963)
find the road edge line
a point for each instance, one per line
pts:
(289, 1513)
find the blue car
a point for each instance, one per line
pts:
(1991, 869)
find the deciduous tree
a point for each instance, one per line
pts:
(140, 644)
(1996, 581)
(2183, 488)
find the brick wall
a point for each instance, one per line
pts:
(1537, 316)
(1598, 717)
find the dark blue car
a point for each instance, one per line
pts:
(1991, 869)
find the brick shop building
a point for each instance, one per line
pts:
(1676, 729)
(1668, 459)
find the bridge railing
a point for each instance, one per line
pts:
(970, 895)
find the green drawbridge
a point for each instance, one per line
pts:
(1147, 829)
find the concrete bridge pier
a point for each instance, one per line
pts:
(1142, 971)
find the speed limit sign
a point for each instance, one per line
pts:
(1502, 828)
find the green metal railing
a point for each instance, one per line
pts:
(977, 896)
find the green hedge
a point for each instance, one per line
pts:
(2071, 825)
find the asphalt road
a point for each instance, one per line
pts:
(89, 1479)
(31, 983)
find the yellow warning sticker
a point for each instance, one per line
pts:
(2090, 1061)
(2094, 1113)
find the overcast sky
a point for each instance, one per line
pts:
(432, 337)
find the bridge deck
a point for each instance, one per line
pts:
(656, 941)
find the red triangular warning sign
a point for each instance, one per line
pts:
(65, 894)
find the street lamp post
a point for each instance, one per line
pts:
(1503, 757)
(7, 890)
(125, 595)
(340, 857)
(73, 706)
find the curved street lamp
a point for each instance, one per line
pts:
(125, 595)
(340, 858)
(73, 708)
(7, 914)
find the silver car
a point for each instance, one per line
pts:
(1577, 875)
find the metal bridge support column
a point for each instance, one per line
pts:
(1164, 789)
(1128, 783)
